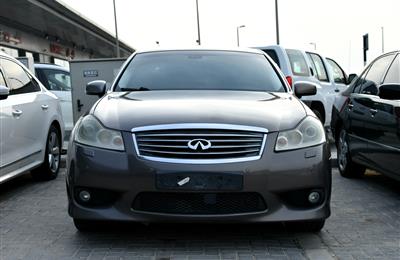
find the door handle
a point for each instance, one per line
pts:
(373, 111)
(17, 112)
(45, 107)
(80, 105)
(337, 90)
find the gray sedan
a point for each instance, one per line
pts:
(199, 135)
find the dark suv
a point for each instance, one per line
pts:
(366, 120)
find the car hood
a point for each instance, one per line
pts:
(127, 110)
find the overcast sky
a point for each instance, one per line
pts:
(336, 26)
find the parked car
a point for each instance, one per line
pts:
(298, 65)
(57, 79)
(366, 120)
(31, 126)
(199, 135)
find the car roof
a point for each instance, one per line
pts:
(49, 66)
(202, 48)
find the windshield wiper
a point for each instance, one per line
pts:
(135, 89)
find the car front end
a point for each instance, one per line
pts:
(199, 156)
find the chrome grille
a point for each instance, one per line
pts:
(171, 143)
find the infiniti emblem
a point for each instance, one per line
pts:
(196, 143)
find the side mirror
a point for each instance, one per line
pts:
(96, 88)
(390, 91)
(4, 92)
(304, 89)
(351, 77)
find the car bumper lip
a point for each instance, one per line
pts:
(128, 175)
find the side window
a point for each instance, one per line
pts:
(338, 74)
(19, 81)
(272, 54)
(369, 84)
(319, 66)
(393, 75)
(57, 80)
(359, 81)
(2, 81)
(298, 63)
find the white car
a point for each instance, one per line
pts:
(58, 81)
(31, 125)
(298, 65)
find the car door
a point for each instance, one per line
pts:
(59, 83)
(23, 113)
(362, 115)
(339, 77)
(383, 126)
(6, 126)
(328, 90)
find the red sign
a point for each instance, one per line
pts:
(57, 49)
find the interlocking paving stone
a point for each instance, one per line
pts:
(365, 224)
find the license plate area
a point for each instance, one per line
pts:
(200, 181)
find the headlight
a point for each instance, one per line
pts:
(309, 132)
(90, 132)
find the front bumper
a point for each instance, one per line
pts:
(275, 177)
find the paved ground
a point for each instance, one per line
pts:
(365, 224)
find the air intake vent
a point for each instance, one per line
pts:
(199, 203)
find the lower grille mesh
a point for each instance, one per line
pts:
(199, 203)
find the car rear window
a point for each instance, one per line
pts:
(273, 55)
(200, 70)
(298, 63)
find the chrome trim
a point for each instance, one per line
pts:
(375, 143)
(200, 126)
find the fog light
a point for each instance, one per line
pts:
(314, 197)
(84, 196)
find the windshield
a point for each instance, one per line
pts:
(200, 70)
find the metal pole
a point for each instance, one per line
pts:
(198, 23)
(277, 21)
(383, 40)
(116, 30)
(237, 35)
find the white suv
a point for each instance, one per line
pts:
(31, 126)
(298, 65)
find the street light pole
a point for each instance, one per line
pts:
(314, 44)
(383, 40)
(198, 23)
(237, 33)
(277, 21)
(116, 30)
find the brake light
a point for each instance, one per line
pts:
(289, 79)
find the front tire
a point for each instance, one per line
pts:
(347, 167)
(51, 164)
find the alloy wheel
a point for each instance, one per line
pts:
(53, 154)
